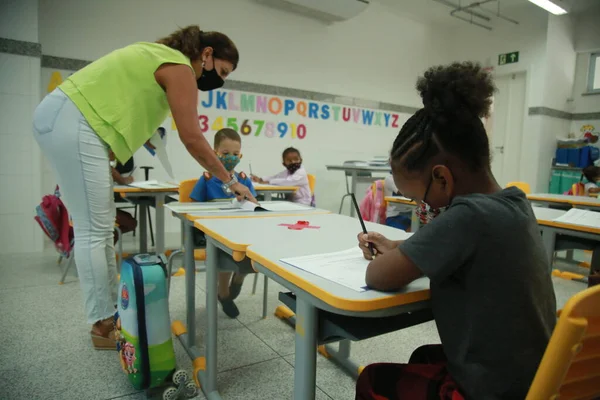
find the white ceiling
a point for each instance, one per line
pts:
(430, 11)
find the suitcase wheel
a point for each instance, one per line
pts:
(170, 393)
(180, 377)
(190, 390)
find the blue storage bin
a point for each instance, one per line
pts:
(562, 156)
(573, 157)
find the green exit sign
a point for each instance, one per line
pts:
(508, 58)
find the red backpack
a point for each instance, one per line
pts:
(53, 218)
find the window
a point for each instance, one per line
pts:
(594, 74)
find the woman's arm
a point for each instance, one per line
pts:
(116, 175)
(182, 95)
(179, 82)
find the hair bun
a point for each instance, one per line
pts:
(459, 90)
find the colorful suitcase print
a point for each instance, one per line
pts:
(143, 325)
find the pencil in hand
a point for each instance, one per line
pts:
(362, 224)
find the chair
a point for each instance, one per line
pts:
(185, 189)
(570, 368)
(359, 175)
(524, 186)
(312, 181)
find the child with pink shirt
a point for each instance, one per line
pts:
(294, 175)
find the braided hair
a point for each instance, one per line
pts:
(455, 98)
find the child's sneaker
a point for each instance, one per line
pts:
(229, 307)
(235, 287)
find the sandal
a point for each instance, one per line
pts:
(103, 335)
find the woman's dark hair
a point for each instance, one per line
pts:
(290, 150)
(191, 41)
(591, 173)
(455, 97)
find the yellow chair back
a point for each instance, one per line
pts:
(570, 368)
(185, 189)
(312, 181)
(524, 186)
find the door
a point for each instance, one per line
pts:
(508, 116)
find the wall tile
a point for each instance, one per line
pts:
(16, 115)
(15, 74)
(16, 235)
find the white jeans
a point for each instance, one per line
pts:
(81, 164)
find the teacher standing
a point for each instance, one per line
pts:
(115, 104)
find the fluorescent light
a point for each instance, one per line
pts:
(549, 6)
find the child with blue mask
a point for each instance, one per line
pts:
(228, 146)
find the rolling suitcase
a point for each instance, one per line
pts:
(143, 325)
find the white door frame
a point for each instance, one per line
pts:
(526, 74)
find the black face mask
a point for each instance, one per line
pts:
(293, 167)
(210, 80)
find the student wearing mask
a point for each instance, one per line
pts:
(293, 175)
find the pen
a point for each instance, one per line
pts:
(362, 222)
(250, 168)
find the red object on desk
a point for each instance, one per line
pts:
(298, 226)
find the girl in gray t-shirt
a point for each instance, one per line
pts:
(491, 292)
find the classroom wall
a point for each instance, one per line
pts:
(584, 103)
(20, 170)
(364, 58)
(587, 31)
(560, 63)
(529, 38)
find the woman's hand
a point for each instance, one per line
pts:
(380, 243)
(128, 180)
(242, 192)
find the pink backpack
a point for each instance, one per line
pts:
(372, 207)
(53, 218)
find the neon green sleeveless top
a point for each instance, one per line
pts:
(119, 96)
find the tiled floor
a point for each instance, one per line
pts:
(45, 350)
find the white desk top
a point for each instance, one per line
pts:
(360, 167)
(130, 190)
(547, 214)
(562, 198)
(194, 211)
(546, 217)
(336, 233)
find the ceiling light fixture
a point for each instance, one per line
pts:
(549, 6)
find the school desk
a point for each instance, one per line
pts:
(547, 199)
(157, 195)
(355, 169)
(190, 212)
(565, 236)
(269, 190)
(326, 312)
(414, 219)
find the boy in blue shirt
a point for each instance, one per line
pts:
(228, 146)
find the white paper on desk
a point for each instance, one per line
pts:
(347, 268)
(161, 153)
(274, 206)
(284, 206)
(580, 217)
(153, 184)
(192, 207)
